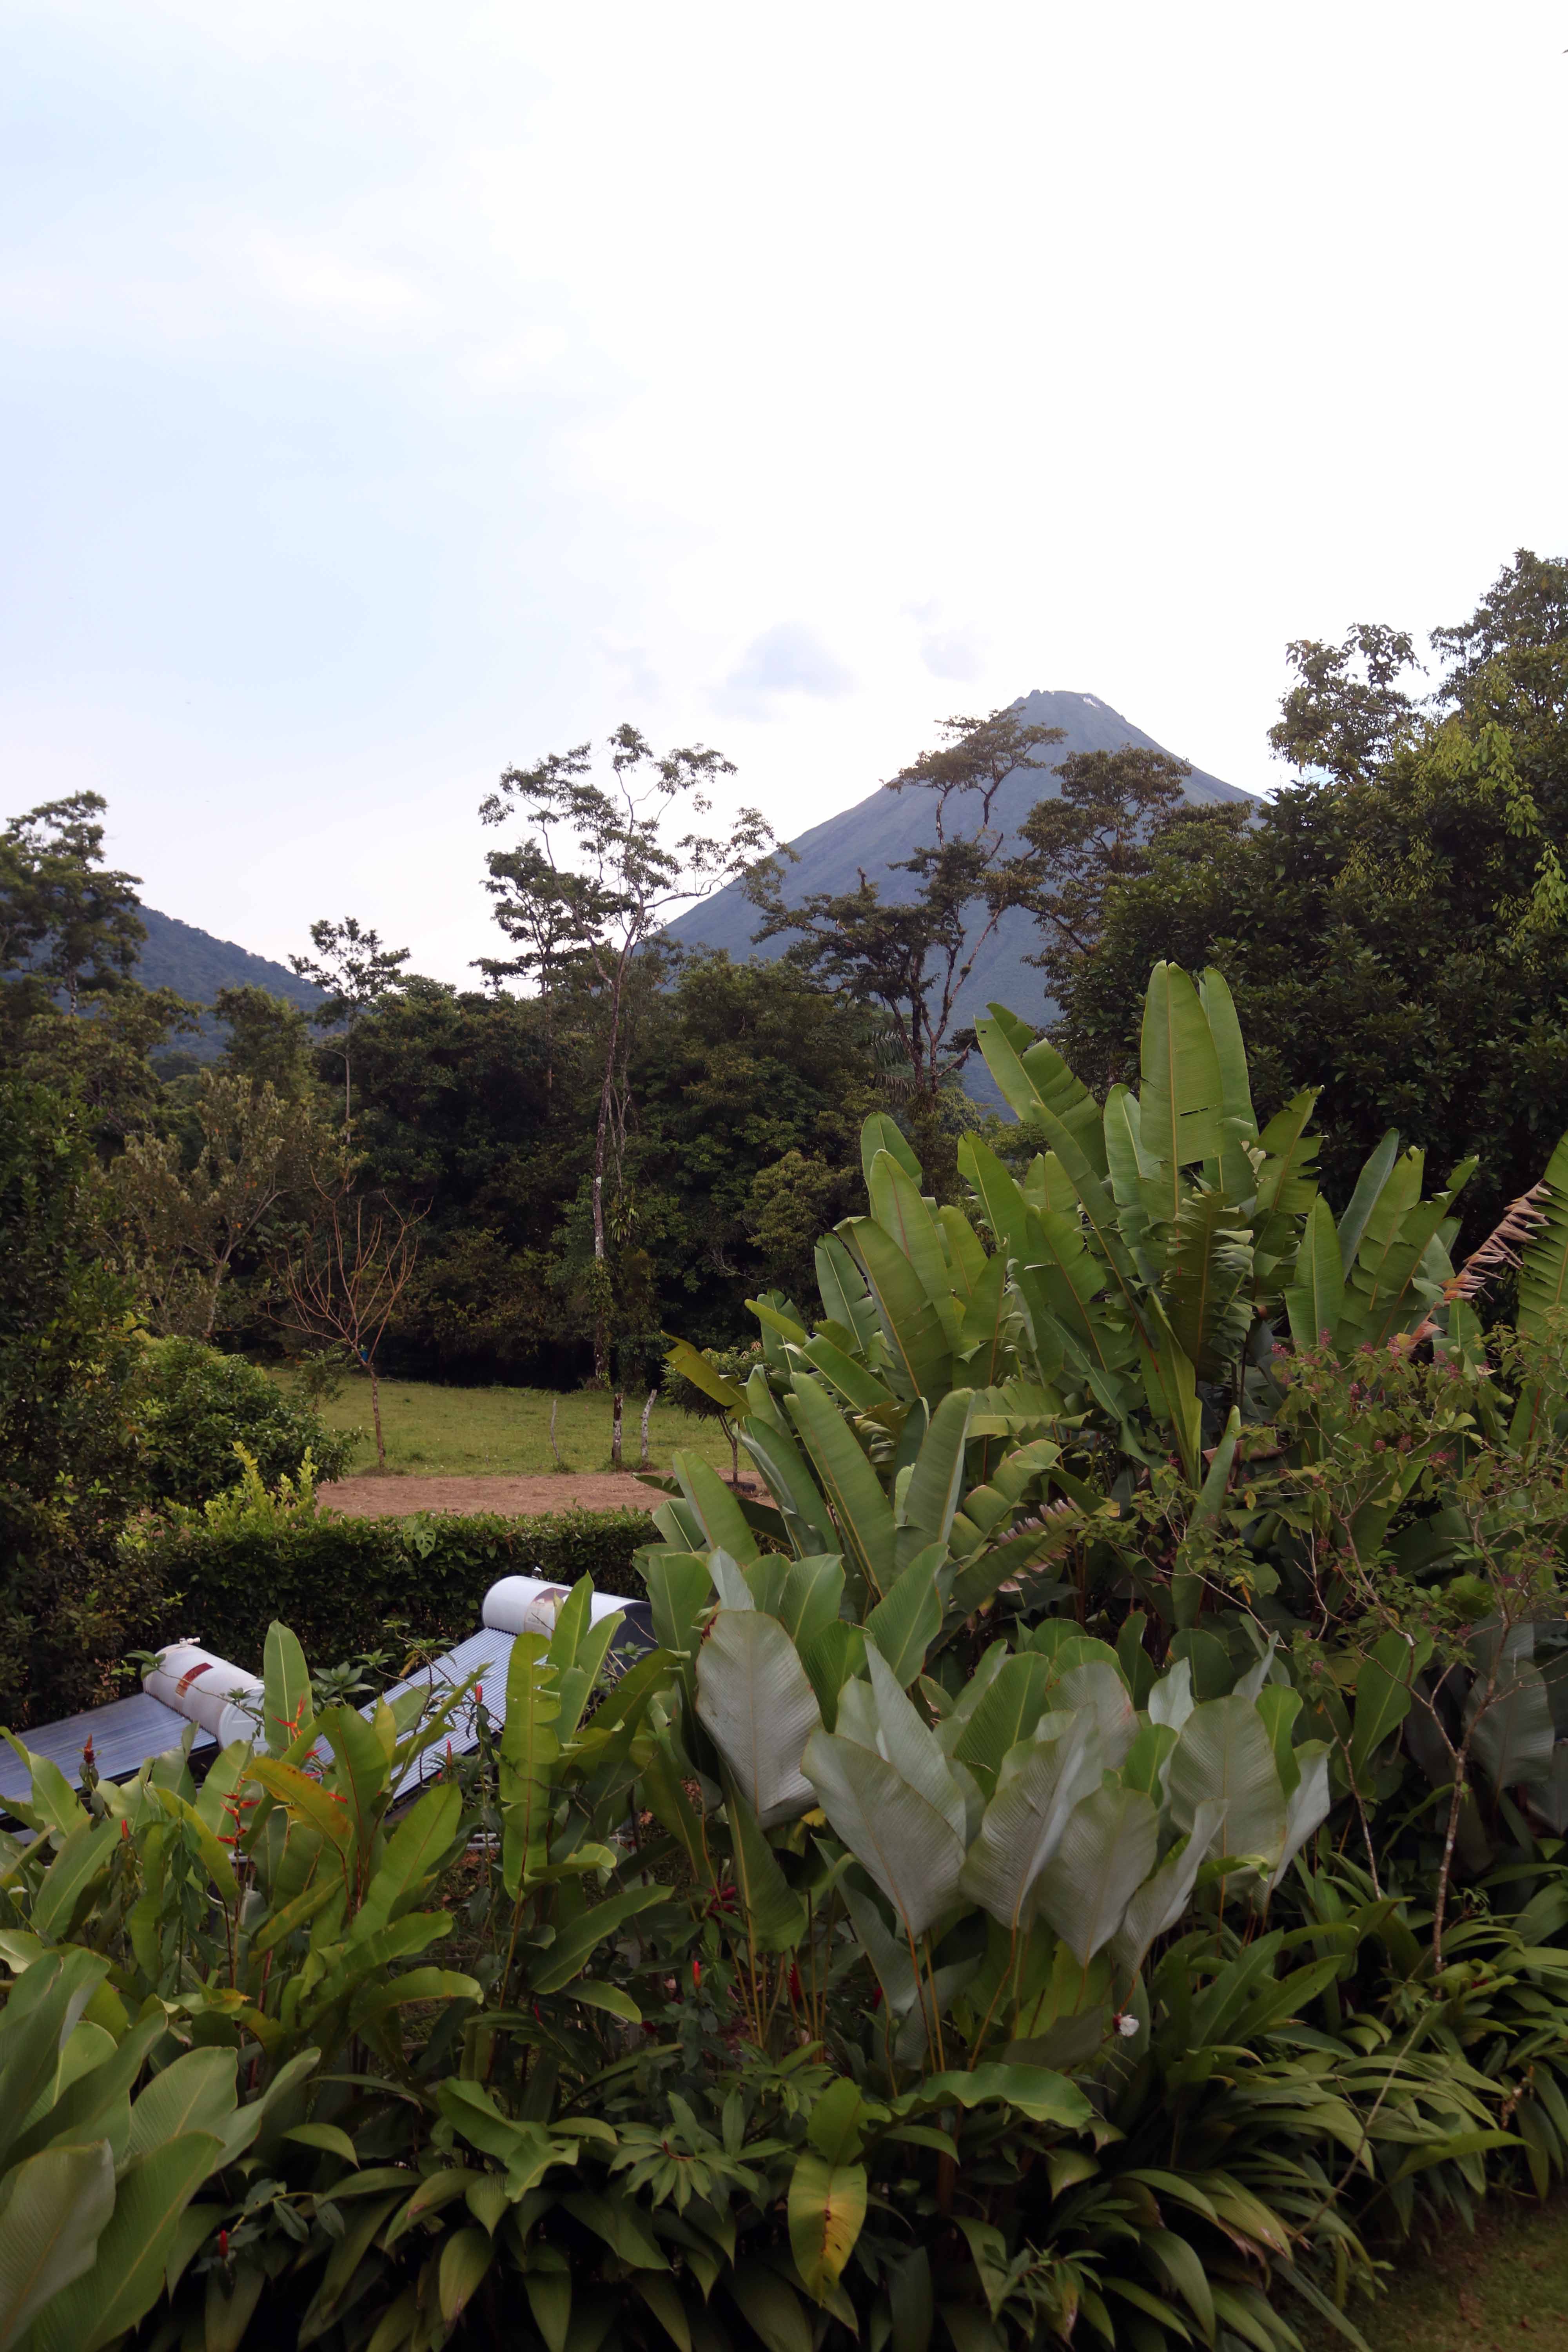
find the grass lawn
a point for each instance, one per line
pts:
(436, 1431)
(1505, 2285)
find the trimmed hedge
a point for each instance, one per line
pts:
(350, 1586)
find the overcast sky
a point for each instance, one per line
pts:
(392, 393)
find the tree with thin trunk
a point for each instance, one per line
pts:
(913, 955)
(595, 881)
(342, 1287)
(356, 971)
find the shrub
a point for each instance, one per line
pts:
(194, 1404)
(347, 1584)
(67, 1457)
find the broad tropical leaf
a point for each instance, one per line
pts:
(827, 2214)
(1223, 1757)
(1181, 1094)
(757, 1704)
(1040, 1783)
(53, 2209)
(1543, 1261)
(911, 1849)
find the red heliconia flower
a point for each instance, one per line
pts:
(876, 1996)
(479, 1694)
(696, 1973)
(795, 1990)
(223, 2245)
(124, 1827)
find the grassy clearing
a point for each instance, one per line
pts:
(434, 1432)
(1508, 2285)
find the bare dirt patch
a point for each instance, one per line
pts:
(375, 1497)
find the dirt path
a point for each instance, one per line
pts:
(515, 1498)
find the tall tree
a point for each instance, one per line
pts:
(912, 956)
(185, 1226)
(1347, 711)
(1095, 833)
(65, 920)
(1395, 927)
(598, 876)
(356, 971)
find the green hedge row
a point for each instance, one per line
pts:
(352, 1586)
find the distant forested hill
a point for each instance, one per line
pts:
(197, 965)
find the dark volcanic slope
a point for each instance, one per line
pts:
(886, 826)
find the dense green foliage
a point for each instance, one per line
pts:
(358, 1586)
(1392, 927)
(68, 1451)
(1083, 1861)
(193, 1406)
(748, 1086)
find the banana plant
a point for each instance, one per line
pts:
(1124, 1292)
(1068, 1825)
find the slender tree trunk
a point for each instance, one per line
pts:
(376, 1411)
(617, 1420)
(555, 1409)
(647, 1412)
(601, 1148)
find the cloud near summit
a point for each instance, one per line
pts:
(788, 659)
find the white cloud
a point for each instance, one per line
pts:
(786, 659)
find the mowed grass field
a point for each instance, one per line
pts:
(1505, 2285)
(448, 1433)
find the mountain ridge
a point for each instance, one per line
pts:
(886, 827)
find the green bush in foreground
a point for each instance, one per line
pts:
(357, 1586)
(193, 1404)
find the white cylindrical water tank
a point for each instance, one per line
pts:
(524, 1605)
(208, 1690)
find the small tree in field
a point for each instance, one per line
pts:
(593, 884)
(343, 1289)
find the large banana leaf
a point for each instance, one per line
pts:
(881, 1132)
(898, 1208)
(933, 1494)
(861, 1512)
(911, 1849)
(1369, 1188)
(1181, 1092)
(1154, 1909)
(920, 1354)
(1315, 1300)
(1223, 1757)
(756, 1699)
(1544, 1262)
(808, 1522)
(1041, 1782)
(1205, 1289)
(1034, 1081)
(1106, 1851)
(1225, 1029)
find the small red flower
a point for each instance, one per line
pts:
(223, 2245)
(695, 1974)
(479, 1694)
(124, 1827)
(795, 1990)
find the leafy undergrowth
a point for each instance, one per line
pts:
(1507, 2284)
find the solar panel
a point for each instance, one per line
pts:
(130, 1732)
(125, 1735)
